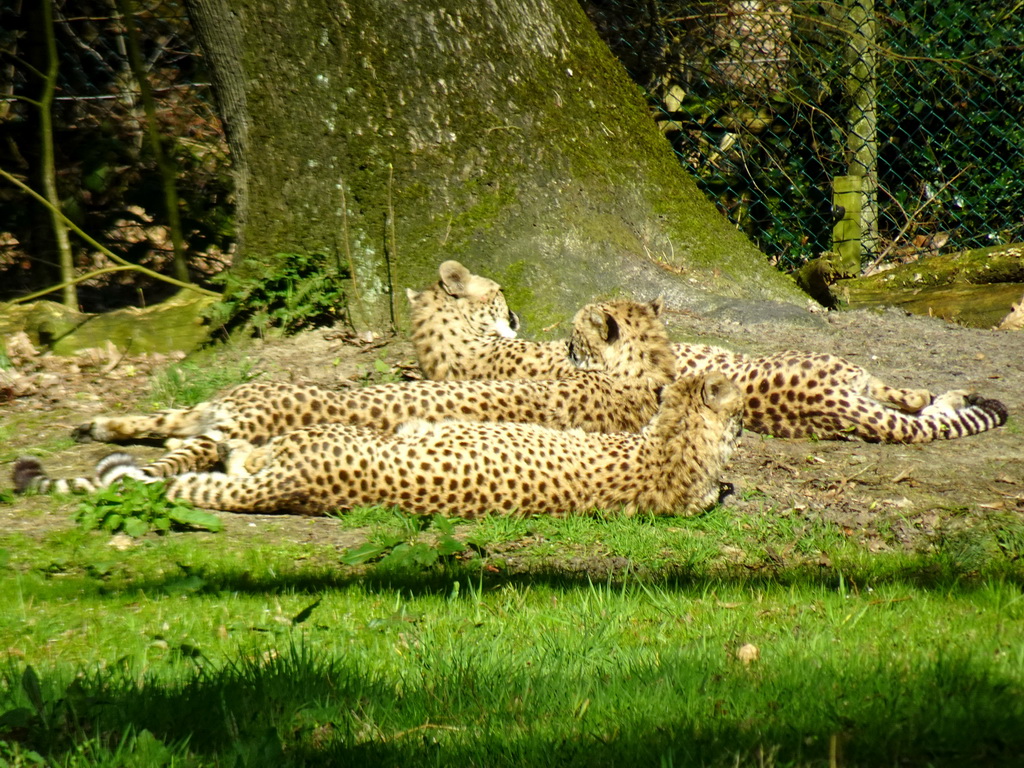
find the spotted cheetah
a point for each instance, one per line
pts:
(461, 328)
(468, 469)
(621, 347)
(463, 308)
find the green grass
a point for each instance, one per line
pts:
(190, 382)
(18, 424)
(204, 649)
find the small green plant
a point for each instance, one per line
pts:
(56, 717)
(39, 715)
(379, 373)
(293, 292)
(189, 383)
(135, 508)
(404, 550)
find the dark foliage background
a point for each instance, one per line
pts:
(752, 97)
(107, 176)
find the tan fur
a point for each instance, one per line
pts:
(793, 394)
(638, 352)
(466, 469)
(462, 307)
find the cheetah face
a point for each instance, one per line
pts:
(594, 331)
(579, 354)
(509, 327)
(479, 301)
(622, 338)
(489, 315)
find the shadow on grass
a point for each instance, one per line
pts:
(302, 708)
(919, 572)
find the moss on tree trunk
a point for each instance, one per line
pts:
(502, 134)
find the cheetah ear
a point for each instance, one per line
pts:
(605, 325)
(719, 392)
(411, 295)
(454, 278)
(657, 306)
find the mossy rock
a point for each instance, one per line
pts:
(177, 324)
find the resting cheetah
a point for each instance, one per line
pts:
(468, 469)
(637, 355)
(466, 309)
(461, 326)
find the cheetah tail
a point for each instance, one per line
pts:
(994, 408)
(29, 475)
(977, 414)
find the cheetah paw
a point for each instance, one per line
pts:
(948, 403)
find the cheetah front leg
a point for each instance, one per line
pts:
(241, 458)
(193, 454)
(948, 403)
(253, 494)
(906, 400)
(182, 423)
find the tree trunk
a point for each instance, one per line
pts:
(69, 293)
(502, 134)
(163, 163)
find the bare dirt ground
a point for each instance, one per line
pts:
(886, 496)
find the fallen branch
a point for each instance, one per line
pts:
(76, 281)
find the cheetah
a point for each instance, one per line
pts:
(467, 469)
(624, 357)
(463, 308)
(461, 329)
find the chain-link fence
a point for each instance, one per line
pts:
(105, 166)
(906, 114)
(893, 128)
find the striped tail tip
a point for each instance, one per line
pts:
(118, 465)
(994, 408)
(28, 474)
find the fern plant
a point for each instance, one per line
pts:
(299, 291)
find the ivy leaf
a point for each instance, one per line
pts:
(449, 546)
(423, 554)
(362, 554)
(195, 518)
(444, 525)
(135, 527)
(113, 522)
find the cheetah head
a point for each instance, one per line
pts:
(473, 301)
(622, 338)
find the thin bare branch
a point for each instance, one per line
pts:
(105, 251)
